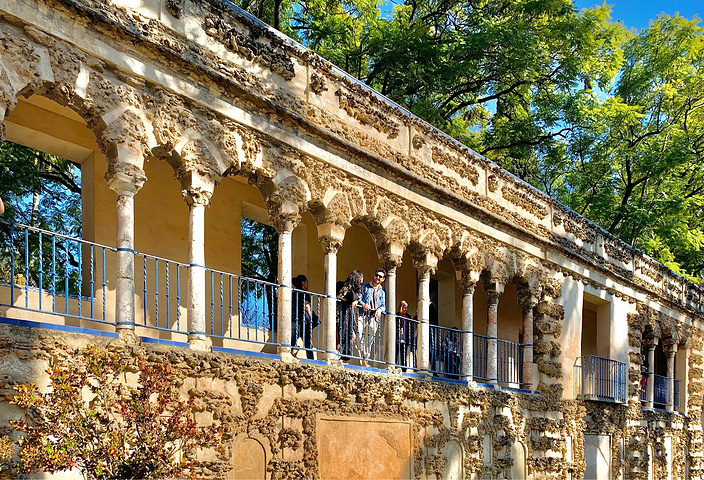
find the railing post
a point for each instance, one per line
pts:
(197, 190)
(330, 237)
(126, 186)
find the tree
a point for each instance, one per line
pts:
(93, 421)
(39, 189)
(637, 156)
(42, 191)
(260, 256)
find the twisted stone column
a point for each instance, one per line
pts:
(126, 186)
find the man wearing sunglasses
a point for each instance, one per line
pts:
(373, 302)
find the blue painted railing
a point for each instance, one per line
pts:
(48, 272)
(601, 379)
(661, 390)
(446, 350)
(510, 361)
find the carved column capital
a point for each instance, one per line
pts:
(125, 181)
(467, 286)
(426, 264)
(669, 346)
(196, 188)
(527, 300)
(331, 236)
(493, 297)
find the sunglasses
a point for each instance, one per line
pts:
(378, 275)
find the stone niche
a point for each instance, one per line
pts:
(359, 448)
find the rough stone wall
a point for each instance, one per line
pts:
(280, 406)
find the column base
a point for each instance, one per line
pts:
(197, 342)
(287, 356)
(335, 363)
(128, 336)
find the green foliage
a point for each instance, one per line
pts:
(637, 156)
(260, 250)
(40, 189)
(92, 420)
(607, 120)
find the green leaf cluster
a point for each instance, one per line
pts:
(92, 420)
(607, 120)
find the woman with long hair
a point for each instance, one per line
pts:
(348, 296)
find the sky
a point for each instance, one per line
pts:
(637, 13)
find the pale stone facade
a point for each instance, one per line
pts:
(252, 125)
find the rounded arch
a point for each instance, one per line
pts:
(111, 108)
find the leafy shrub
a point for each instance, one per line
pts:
(94, 421)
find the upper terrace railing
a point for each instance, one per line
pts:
(661, 391)
(599, 378)
(50, 273)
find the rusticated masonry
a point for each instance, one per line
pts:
(281, 406)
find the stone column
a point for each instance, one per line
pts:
(492, 361)
(650, 382)
(126, 186)
(468, 328)
(527, 305)
(283, 337)
(197, 190)
(426, 267)
(670, 351)
(330, 237)
(389, 330)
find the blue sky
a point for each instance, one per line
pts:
(637, 13)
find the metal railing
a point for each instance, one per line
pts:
(406, 342)
(510, 361)
(601, 379)
(661, 390)
(48, 272)
(480, 357)
(446, 351)
(359, 334)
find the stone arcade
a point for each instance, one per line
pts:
(552, 317)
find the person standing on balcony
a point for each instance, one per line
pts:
(373, 303)
(304, 319)
(405, 342)
(349, 295)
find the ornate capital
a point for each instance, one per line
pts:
(391, 263)
(196, 187)
(331, 236)
(527, 300)
(426, 263)
(125, 180)
(669, 346)
(493, 297)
